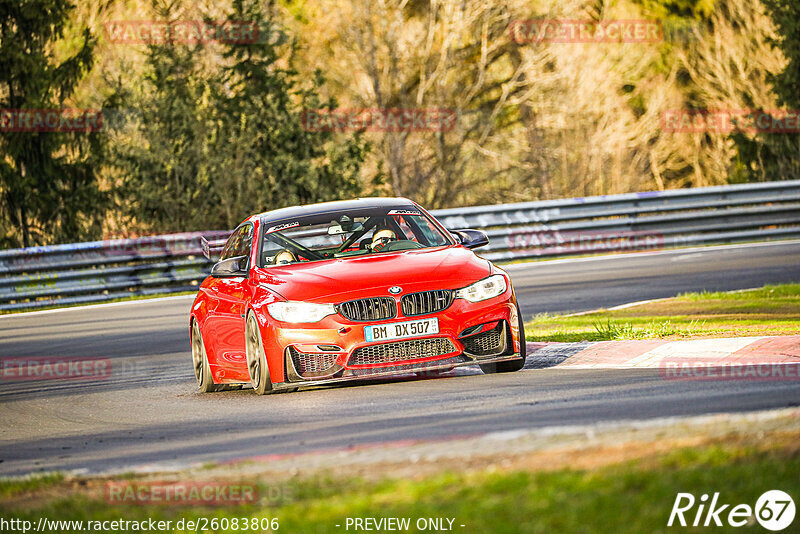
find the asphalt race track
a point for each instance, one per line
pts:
(149, 413)
(602, 282)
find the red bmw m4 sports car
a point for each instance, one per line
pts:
(349, 290)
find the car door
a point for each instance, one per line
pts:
(230, 295)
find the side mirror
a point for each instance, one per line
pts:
(230, 267)
(471, 238)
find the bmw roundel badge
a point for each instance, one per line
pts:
(395, 290)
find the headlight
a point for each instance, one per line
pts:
(483, 289)
(300, 312)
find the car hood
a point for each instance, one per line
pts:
(366, 276)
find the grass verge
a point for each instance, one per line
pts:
(770, 310)
(633, 496)
(15, 486)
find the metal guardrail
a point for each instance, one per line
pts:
(99, 271)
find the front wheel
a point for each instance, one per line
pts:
(513, 365)
(257, 358)
(202, 370)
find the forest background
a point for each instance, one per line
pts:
(199, 135)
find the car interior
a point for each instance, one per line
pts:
(345, 237)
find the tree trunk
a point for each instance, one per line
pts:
(23, 214)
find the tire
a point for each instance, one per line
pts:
(513, 365)
(256, 358)
(202, 369)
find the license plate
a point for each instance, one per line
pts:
(420, 327)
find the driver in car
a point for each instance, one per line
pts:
(382, 238)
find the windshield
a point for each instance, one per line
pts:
(348, 233)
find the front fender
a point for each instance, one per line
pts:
(200, 311)
(274, 353)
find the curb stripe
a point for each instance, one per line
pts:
(694, 349)
(649, 354)
(784, 349)
(615, 353)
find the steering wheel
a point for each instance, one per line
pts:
(403, 244)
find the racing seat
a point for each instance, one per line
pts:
(284, 257)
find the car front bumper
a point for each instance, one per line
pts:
(349, 338)
(432, 367)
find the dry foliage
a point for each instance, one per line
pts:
(535, 121)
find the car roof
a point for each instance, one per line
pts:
(329, 207)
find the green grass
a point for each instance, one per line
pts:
(770, 310)
(618, 330)
(14, 486)
(634, 496)
(769, 293)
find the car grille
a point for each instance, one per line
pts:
(402, 350)
(486, 343)
(311, 364)
(372, 309)
(426, 302)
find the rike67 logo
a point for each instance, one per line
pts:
(774, 510)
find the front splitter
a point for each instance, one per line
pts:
(397, 371)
